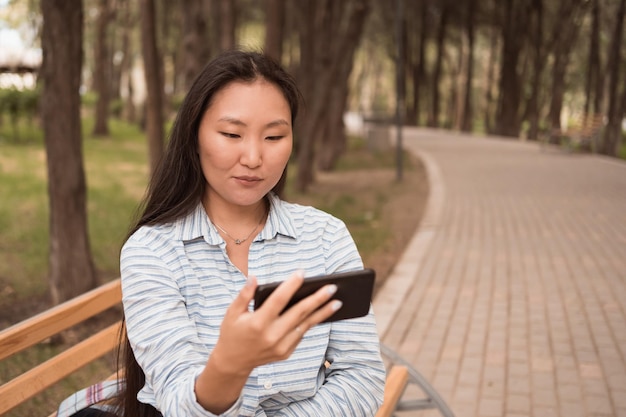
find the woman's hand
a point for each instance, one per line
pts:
(250, 339)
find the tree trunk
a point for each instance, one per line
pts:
(154, 83)
(333, 141)
(330, 31)
(466, 125)
(564, 38)
(594, 63)
(71, 266)
(126, 65)
(613, 131)
(420, 77)
(532, 110)
(102, 69)
(195, 51)
(491, 69)
(597, 61)
(228, 25)
(433, 120)
(514, 30)
(274, 28)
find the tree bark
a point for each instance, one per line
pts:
(126, 65)
(154, 83)
(228, 24)
(466, 125)
(71, 266)
(433, 120)
(613, 131)
(593, 96)
(564, 37)
(489, 82)
(196, 51)
(102, 69)
(514, 31)
(532, 110)
(274, 28)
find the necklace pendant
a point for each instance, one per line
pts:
(238, 241)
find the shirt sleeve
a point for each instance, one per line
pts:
(355, 380)
(163, 337)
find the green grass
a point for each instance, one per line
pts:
(116, 172)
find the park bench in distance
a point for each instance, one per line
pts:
(27, 333)
(583, 133)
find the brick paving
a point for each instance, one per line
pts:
(511, 297)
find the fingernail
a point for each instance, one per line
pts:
(336, 305)
(331, 289)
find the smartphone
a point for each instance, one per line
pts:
(354, 289)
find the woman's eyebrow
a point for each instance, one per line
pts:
(231, 120)
(278, 122)
(235, 121)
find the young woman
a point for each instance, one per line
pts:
(214, 227)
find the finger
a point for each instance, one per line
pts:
(241, 302)
(321, 314)
(307, 306)
(278, 300)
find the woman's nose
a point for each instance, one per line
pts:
(251, 155)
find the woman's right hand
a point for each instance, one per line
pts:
(250, 339)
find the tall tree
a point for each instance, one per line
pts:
(71, 266)
(153, 73)
(593, 81)
(330, 31)
(514, 29)
(433, 118)
(102, 68)
(196, 48)
(466, 124)
(613, 132)
(128, 18)
(228, 24)
(490, 77)
(563, 37)
(274, 28)
(536, 36)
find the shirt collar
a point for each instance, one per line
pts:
(197, 224)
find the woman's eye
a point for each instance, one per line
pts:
(230, 135)
(274, 137)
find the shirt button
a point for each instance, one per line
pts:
(268, 384)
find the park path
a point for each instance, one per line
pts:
(511, 297)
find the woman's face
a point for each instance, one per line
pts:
(244, 142)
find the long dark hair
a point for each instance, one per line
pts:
(178, 184)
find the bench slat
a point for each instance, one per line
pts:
(397, 379)
(55, 369)
(35, 329)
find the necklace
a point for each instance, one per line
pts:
(239, 241)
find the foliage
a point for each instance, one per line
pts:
(18, 106)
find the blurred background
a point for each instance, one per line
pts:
(113, 72)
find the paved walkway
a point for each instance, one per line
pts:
(511, 298)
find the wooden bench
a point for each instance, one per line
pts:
(57, 319)
(582, 133)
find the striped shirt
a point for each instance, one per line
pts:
(177, 282)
